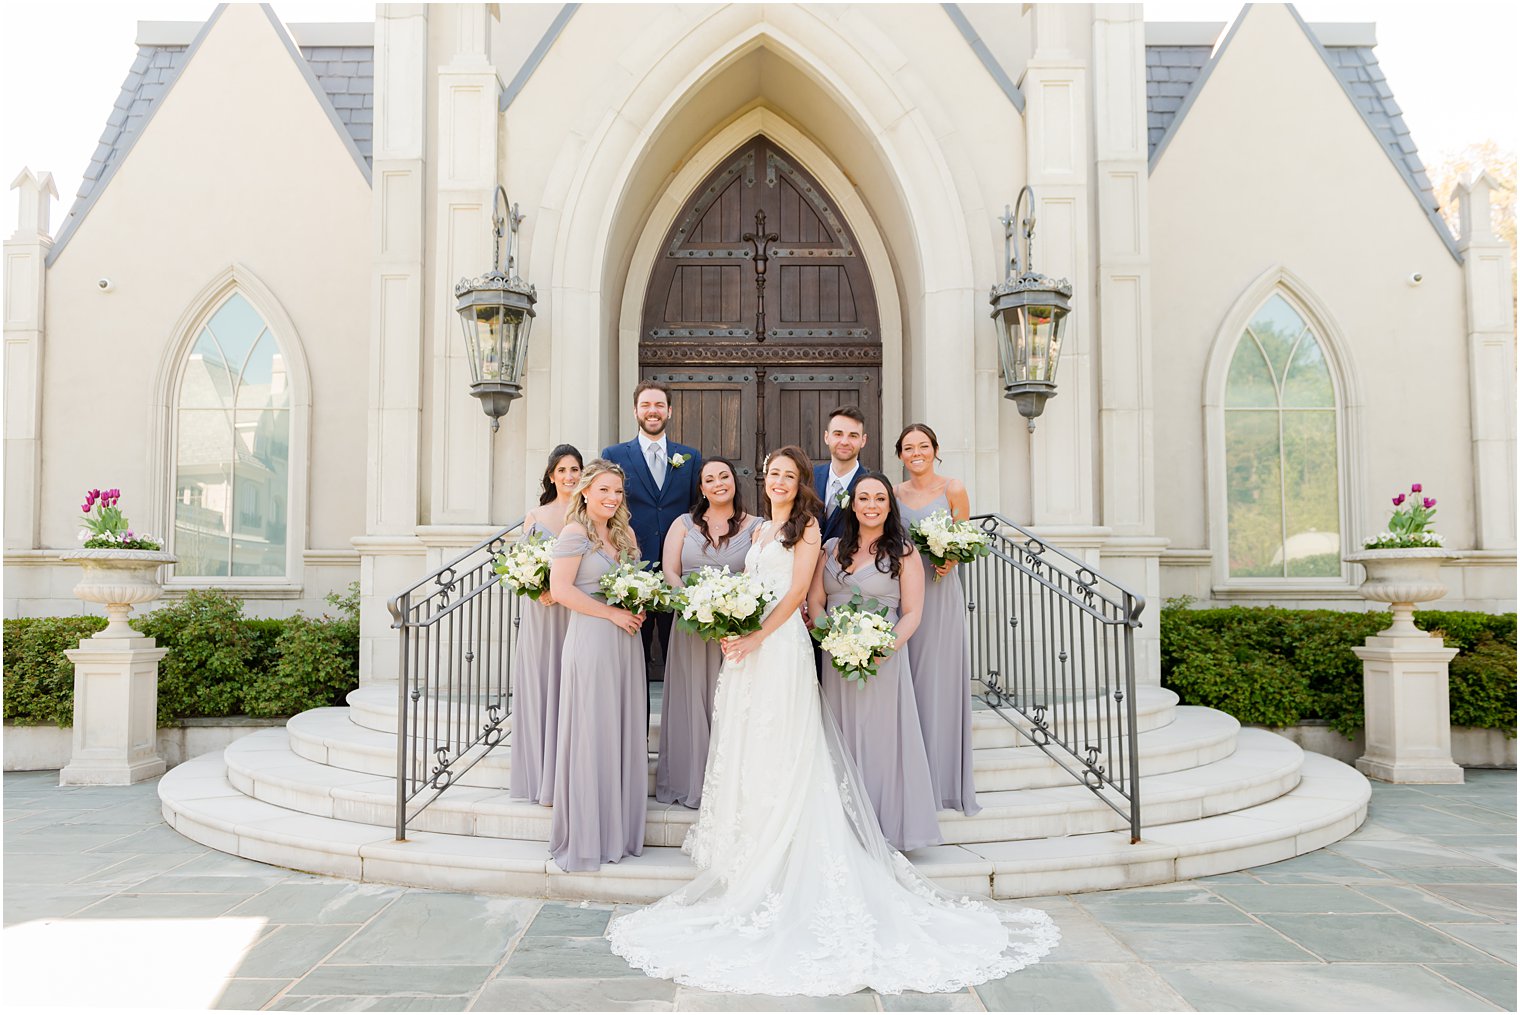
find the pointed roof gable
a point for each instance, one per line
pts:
(347, 81)
(1355, 68)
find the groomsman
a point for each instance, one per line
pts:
(835, 479)
(663, 478)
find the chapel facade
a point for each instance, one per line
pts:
(245, 321)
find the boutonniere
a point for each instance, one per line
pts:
(842, 498)
(678, 459)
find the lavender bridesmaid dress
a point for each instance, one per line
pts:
(879, 720)
(691, 680)
(535, 695)
(601, 757)
(940, 654)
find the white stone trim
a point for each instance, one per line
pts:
(164, 426)
(873, 249)
(583, 204)
(1348, 402)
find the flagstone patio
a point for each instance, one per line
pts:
(1413, 911)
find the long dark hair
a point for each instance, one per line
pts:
(893, 545)
(699, 513)
(550, 492)
(807, 505)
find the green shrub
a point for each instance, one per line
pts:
(219, 662)
(1222, 658)
(209, 651)
(317, 662)
(39, 679)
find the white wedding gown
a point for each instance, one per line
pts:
(797, 892)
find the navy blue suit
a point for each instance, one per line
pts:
(653, 508)
(832, 524)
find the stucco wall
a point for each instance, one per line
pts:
(1272, 167)
(239, 166)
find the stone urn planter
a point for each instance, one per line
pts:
(115, 739)
(1402, 578)
(118, 580)
(1404, 672)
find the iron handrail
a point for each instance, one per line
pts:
(454, 685)
(1052, 643)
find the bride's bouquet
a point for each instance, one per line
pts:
(717, 603)
(633, 587)
(524, 566)
(856, 635)
(942, 539)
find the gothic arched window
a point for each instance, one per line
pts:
(1281, 450)
(232, 449)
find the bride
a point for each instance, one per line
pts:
(797, 892)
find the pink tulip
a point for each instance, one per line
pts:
(85, 508)
(1430, 502)
(1398, 500)
(1416, 488)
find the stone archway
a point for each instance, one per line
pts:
(757, 351)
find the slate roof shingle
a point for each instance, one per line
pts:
(1171, 71)
(346, 74)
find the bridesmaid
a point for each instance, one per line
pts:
(940, 651)
(540, 637)
(879, 720)
(716, 533)
(601, 757)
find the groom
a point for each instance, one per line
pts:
(663, 478)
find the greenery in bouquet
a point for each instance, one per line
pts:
(632, 586)
(1409, 528)
(106, 528)
(717, 603)
(942, 539)
(524, 566)
(857, 636)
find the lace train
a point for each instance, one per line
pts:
(797, 892)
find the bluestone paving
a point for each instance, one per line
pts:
(1415, 910)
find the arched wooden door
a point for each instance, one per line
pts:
(758, 349)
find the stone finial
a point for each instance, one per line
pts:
(35, 203)
(1475, 222)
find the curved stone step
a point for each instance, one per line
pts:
(1262, 767)
(1196, 736)
(374, 708)
(1328, 803)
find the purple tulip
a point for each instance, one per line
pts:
(1415, 488)
(1430, 502)
(85, 508)
(94, 494)
(1398, 500)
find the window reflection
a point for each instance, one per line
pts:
(232, 453)
(1282, 464)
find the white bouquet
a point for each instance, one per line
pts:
(942, 539)
(524, 566)
(856, 635)
(633, 587)
(718, 603)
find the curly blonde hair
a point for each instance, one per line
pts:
(623, 540)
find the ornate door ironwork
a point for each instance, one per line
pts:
(760, 313)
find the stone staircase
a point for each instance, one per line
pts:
(319, 795)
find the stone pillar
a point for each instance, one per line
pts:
(25, 285)
(1491, 364)
(1408, 706)
(465, 150)
(115, 711)
(1125, 359)
(391, 555)
(1061, 448)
